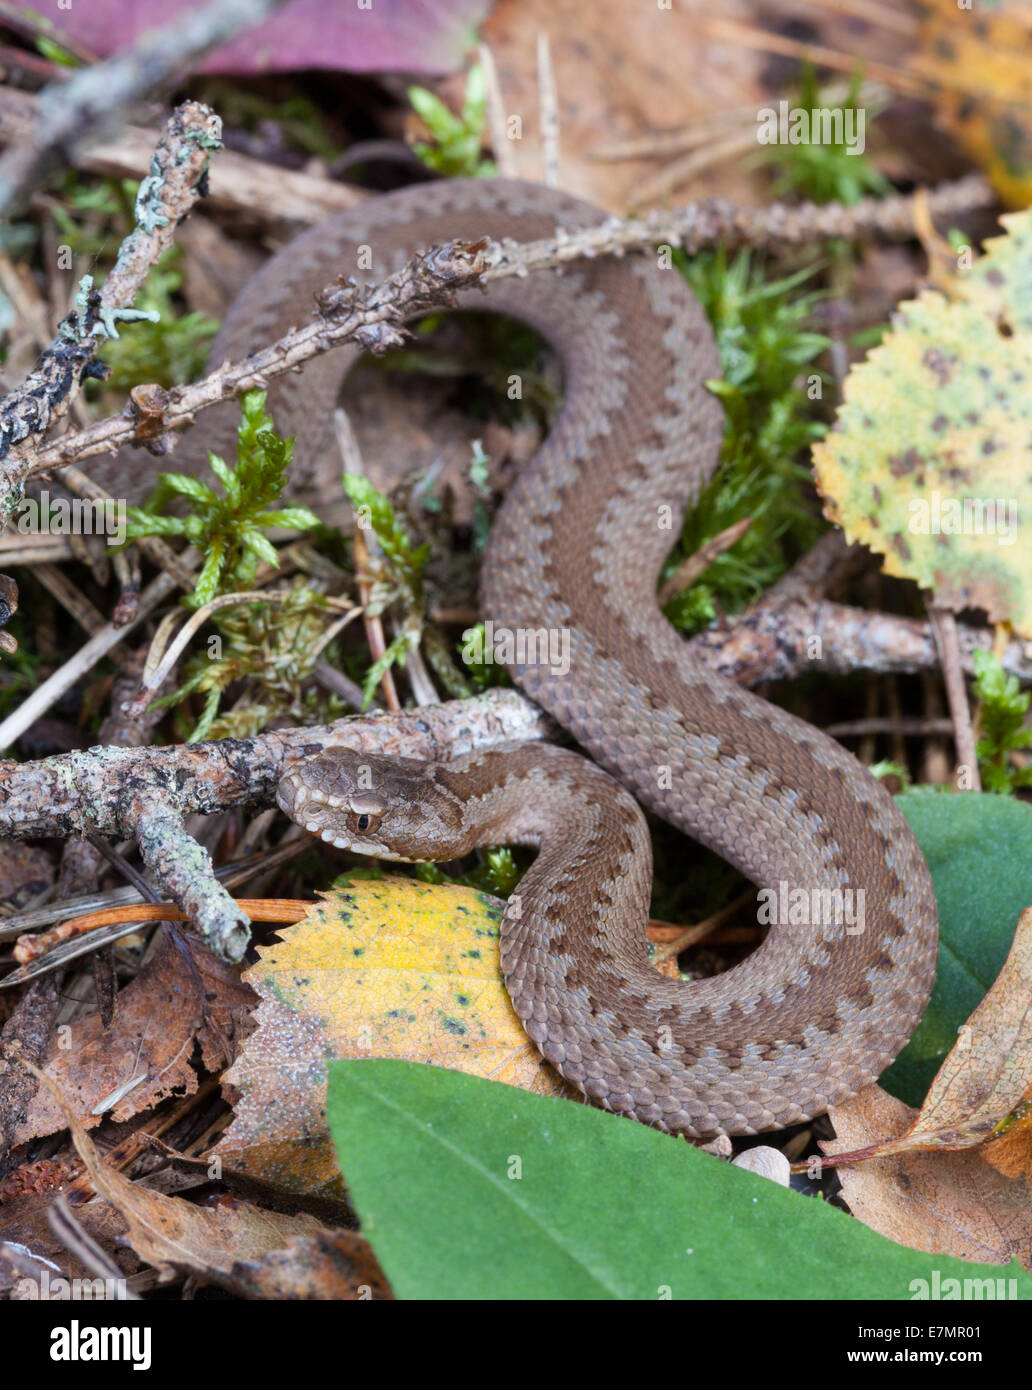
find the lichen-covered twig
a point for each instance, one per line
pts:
(373, 316)
(370, 315)
(165, 197)
(715, 221)
(146, 793)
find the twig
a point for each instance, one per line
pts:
(501, 145)
(944, 625)
(873, 12)
(689, 166)
(93, 96)
(691, 936)
(65, 1226)
(30, 948)
(663, 144)
(548, 112)
(71, 597)
(62, 680)
(145, 793)
(232, 874)
(688, 572)
(165, 197)
(373, 315)
(744, 35)
(240, 183)
(370, 315)
(351, 458)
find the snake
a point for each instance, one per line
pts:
(829, 997)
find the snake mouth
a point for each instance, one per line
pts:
(323, 815)
(315, 813)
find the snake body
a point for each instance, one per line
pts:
(820, 1008)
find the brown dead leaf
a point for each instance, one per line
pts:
(330, 1265)
(620, 70)
(1010, 1150)
(944, 1203)
(25, 1197)
(229, 1244)
(984, 1083)
(157, 1020)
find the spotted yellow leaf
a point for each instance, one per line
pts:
(974, 58)
(388, 968)
(930, 459)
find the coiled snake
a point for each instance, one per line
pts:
(819, 1009)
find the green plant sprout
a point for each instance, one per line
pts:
(832, 172)
(455, 151)
(765, 346)
(229, 529)
(1004, 707)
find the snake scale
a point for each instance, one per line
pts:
(817, 1011)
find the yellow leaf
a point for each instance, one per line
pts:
(388, 968)
(928, 463)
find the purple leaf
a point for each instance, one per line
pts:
(412, 36)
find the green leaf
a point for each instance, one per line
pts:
(431, 110)
(226, 476)
(602, 1208)
(291, 518)
(208, 579)
(190, 487)
(979, 851)
(258, 545)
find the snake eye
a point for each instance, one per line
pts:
(363, 823)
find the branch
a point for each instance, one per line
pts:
(69, 111)
(373, 316)
(145, 793)
(165, 197)
(240, 182)
(370, 315)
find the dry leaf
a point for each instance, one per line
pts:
(230, 1243)
(928, 460)
(390, 968)
(983, 1083)
(979, 75)
(157, 1021)
(945, 1203)
(621, 70)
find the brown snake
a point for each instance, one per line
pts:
(818, 1010)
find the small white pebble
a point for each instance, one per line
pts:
(767, 1162)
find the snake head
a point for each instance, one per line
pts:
(391, 808)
